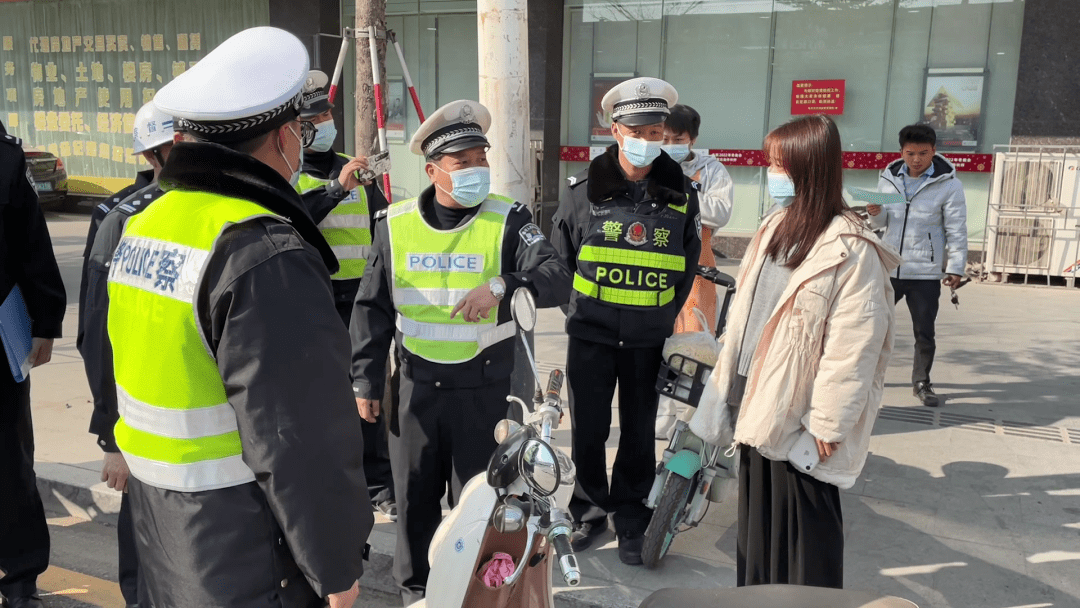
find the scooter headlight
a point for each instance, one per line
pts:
(504, 429)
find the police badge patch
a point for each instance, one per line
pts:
(530, 234)
(697, 223)
(30, 178)
(635, 234)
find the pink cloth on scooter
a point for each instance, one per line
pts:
(497, 569)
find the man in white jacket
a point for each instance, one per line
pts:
(930, 231)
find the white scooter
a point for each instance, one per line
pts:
(509, 510)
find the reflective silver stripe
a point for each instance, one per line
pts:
(408, 296)
(178, 424)
(497, 334)
(159, 267)
(484, 335)
(346, 220)
(401, 208)
(351, 252)
(193, 477)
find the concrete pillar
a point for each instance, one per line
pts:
(503, 34)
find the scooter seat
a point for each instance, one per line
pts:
(772, 596)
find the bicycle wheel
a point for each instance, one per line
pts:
(665, 521)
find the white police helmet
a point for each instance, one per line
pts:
(153, 128)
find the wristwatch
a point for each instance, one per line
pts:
(497, 287)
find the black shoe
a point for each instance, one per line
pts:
(630, 548)
(388, 508)
(29, 601)
(585, 534)
(925, 392)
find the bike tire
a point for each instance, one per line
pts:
(665, 520)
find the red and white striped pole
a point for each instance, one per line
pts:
(408, 78)
(340, 65)
(380, 117)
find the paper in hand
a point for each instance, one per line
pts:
(876, 198)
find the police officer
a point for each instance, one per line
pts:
(440, 267)
(156, 158)
(153, 135)
(628, 228)
(344, 208)
(26, 261)
(236, 415)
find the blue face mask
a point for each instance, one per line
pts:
(781, 188)
(470, 186)
(639, 152)
(325, 134)
(677, 152)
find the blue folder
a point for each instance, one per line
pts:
(15, 334)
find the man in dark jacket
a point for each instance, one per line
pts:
(629, 229)
(231, 365)
(344, 209)
(26, 261)
(153, 138)
(439, 268)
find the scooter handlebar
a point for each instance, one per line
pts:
(567, 559)
(555, 382)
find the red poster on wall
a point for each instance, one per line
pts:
(817, 97)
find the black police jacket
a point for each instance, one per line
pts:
(598, 192)
(26, 252)
(93, 342)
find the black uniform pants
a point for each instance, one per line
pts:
(380, 480)
(24, 535)
(444, 436)
(592, 371)
(127, 555)
(791, 530)
(922, 300)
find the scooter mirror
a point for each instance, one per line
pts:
(539, 466)
(523, 308)
(508, 519)
(505, 428)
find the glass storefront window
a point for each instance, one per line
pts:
(735, 61)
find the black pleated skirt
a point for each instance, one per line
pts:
(791, 529)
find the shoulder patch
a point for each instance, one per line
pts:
(381, 213)
(30, 178)
(517, 208)
(572, 179)
(530, 234)
(697, 224)
(696, 185)
(11, 139)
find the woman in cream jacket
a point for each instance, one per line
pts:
(809, 338)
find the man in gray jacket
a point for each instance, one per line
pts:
(930, 231)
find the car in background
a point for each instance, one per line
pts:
(50, 176)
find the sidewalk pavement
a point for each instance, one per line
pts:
(974, 504)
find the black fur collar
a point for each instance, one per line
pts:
(211, 167)
(666, 182)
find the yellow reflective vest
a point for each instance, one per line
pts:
(434, 269)
(347, 228)
(177, 429)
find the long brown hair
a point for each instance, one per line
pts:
(809, 150)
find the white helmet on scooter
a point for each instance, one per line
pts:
(153, 128)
